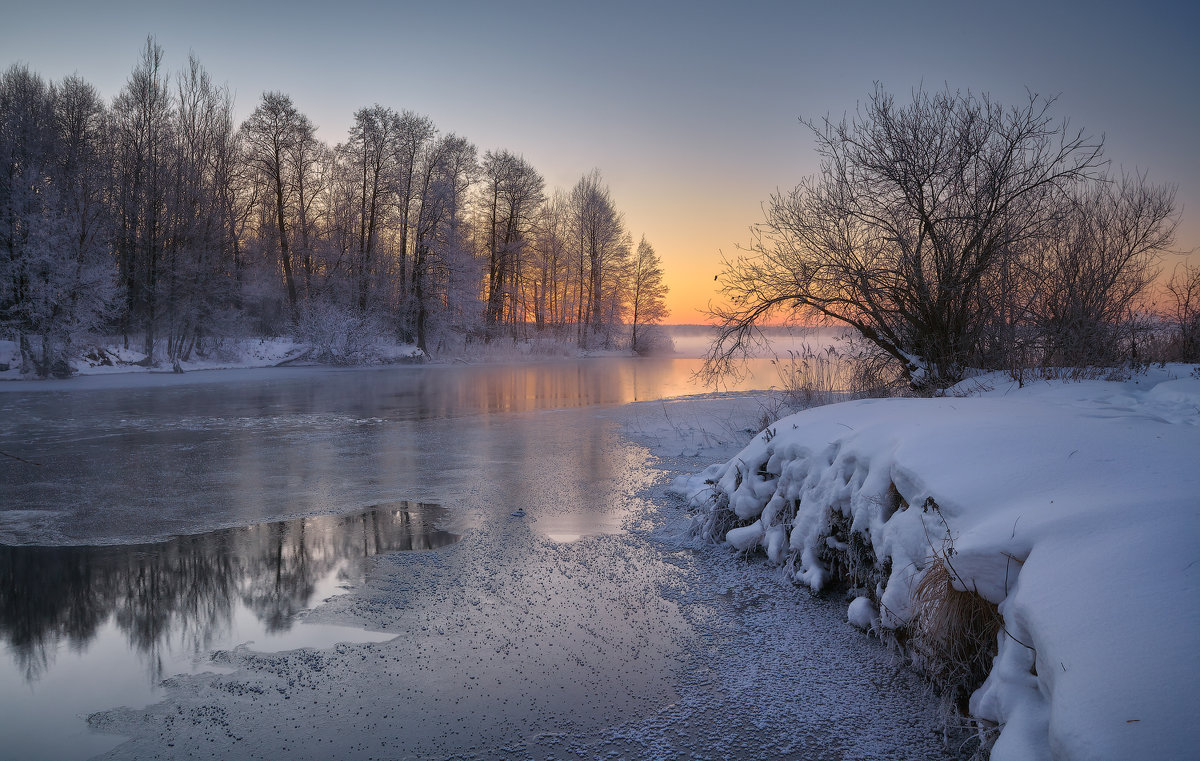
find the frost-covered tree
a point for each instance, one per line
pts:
(142, 136)
(551, 285)
(647, 293)
(56, 281)
(271, 134)
(199, 287)
(601, 245)
(441, 248)
(87, 279)
(370, 155)
(26, 116)
(310, 162)
(513, 192)
(412, 141)
(207, 230)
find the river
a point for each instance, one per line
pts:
(154, 521)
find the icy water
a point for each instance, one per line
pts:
(83, 626)
(157, 522)
(139, 458)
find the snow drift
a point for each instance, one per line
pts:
(1073, 507)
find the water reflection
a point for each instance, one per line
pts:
(121, 465)
(183, 594)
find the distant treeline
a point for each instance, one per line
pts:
(159, 219)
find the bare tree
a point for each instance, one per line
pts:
(199, 285)
(271, 134)
(905, 225)
(647, 292)
(513, 192)
(1184, 289)
(438, 242)
(370, 153)
(309, 159)
(413, 134)
(142, 115)
(1100, 258)
(600, 243)
(553, 288)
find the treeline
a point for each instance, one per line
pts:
(954, 233)
(158, 219)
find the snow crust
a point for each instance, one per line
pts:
(1074, 506)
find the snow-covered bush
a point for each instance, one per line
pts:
(653, 340)
(1033, 539)
(339, 335)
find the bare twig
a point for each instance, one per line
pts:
(19, 459)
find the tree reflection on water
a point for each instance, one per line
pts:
(184, 592)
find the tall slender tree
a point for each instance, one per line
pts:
(272, 134)
(513, 193)
(142, 116)
(647, 293)
(600, 244)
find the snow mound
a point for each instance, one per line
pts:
(862, 613)
(1073, 507)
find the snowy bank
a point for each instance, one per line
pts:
(230, 354)
(1073, 507)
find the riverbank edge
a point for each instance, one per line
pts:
(836, 514)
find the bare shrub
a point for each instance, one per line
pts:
(1101, 258)
(653, 340)
(1184, 313)
(771, 408)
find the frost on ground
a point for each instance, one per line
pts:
(1073, 507)
(644, 644)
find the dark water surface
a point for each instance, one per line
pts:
(188, 592)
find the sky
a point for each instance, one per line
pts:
(691, 110)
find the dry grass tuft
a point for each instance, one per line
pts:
(952, 634)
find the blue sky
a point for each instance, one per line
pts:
(689, 109)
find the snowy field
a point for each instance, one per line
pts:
(1074, 507)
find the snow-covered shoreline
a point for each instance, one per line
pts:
(113, 358)
(236, 354)
(1073, 507)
